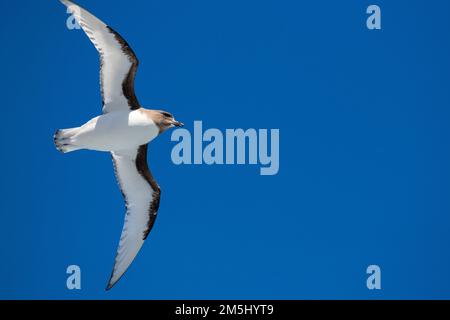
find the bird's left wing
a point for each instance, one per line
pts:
(141, 194)
(118, 63)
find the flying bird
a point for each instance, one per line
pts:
(124, 129)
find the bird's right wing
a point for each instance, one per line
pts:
(118, 63)
(141, 194)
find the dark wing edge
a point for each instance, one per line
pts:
(128, 82)
(144, 171)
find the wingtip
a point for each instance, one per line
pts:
(110, 284)
(67, 3)
(112, 281)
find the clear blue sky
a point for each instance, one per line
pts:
(364, 151)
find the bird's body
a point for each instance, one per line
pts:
(115, 131)
(124, 129)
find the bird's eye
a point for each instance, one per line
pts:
(166, 114)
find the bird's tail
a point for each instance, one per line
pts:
(63, 140)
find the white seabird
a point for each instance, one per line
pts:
(124, 129)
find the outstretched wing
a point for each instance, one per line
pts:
(118, 63)
(141, 194)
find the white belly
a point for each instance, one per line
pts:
(114, 131)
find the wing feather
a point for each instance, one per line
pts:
(141, 194)
(118, 63)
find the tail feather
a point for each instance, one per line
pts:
(63, 140)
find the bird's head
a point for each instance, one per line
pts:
(167, 121)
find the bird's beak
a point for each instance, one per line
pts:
(178, 124)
